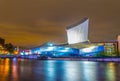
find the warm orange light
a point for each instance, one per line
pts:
(5, 52)
(16, 52)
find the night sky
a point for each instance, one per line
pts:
(34, 22)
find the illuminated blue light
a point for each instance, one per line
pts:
(49, 44)
(21, 53)
(36, 52)
(67, 48)
(14, 59)
(50, 49)
(26, 53)
(62, 51)
(91, 50)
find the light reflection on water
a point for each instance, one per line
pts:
(110, 72)
(51, 70)
(89, 70)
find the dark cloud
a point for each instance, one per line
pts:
(32, 22)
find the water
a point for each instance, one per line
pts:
(51, 70)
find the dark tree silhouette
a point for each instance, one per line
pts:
(9, 47)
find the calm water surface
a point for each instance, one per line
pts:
(51, 70)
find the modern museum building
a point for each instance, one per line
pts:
(77, 44)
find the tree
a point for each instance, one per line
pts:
(9, 47)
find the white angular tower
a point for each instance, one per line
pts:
(78, 32)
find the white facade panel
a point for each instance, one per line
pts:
(78, 33)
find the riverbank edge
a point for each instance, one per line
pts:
(101, 59)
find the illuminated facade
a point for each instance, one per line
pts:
(110, 48)
(79, 32)
(77, 45)
(91, 51)
(52, 50)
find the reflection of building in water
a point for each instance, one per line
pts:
(110, 72)
(77, 44)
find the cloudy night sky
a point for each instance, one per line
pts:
(34, 22)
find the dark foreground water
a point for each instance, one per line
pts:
(51, 70)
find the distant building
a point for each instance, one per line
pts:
(110, 48)
(119, 43)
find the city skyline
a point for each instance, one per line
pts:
(34, 22)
